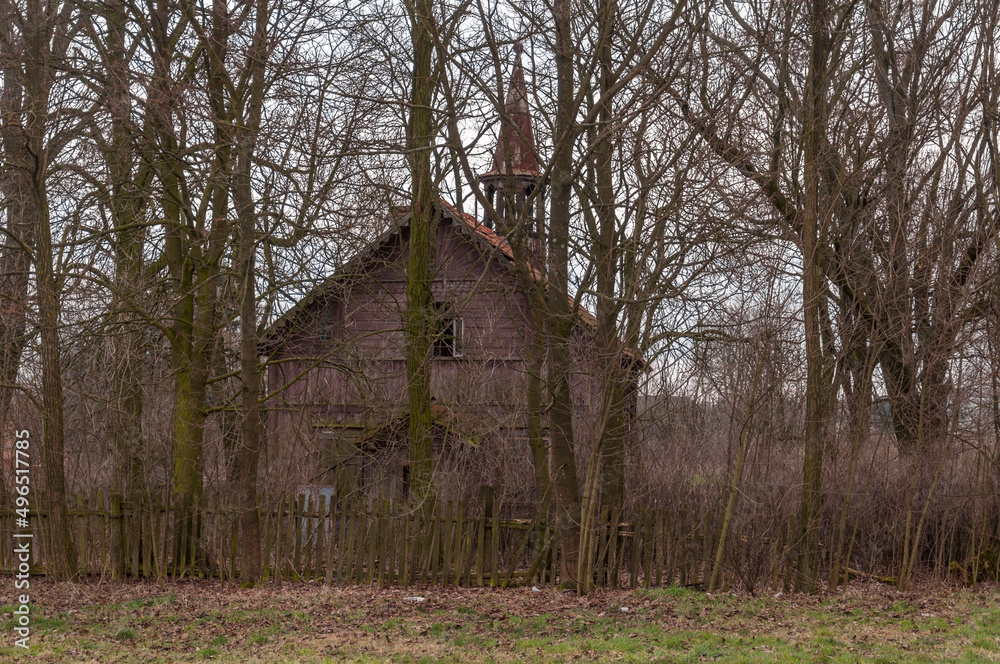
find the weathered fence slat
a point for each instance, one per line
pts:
(649, 549)
(81, 529)
(360, 537)
(135, 537)
(470, 534)
(407, 549)
(448, 531)
(363, 540)
(459, 543)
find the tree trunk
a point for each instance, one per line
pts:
(812, 292)
(126, 204)
(25, 141)
(423, 225)
(62, 561)
(195, 265)
(248, 457)
(19, 236)
(606, 258)
(561, 318)
(62, 556)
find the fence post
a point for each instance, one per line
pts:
(485, 543)
(790, 529)
(82, 526)
(135, 535)
(117, 537)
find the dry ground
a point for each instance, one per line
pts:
(183, 621)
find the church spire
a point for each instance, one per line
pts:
(516, 147)
(512, 181)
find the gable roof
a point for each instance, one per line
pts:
(482, 234)
(500, 244)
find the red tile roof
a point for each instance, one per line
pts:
(480, 231)
(499, 243)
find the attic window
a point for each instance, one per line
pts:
(449, 332)
(325, 326)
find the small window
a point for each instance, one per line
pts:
(449, 332)
(326, 324)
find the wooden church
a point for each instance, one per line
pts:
(337, 397)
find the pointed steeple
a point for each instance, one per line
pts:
(512, 181)
(516, 147)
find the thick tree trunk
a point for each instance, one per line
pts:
(62, 556)
(193, 348)
(195, 266)
(193, 345)
(606, 258)
(126, 204)
(17, 206)
(561, 317)
(188, 372)
(14, 270)
(27, 145)
(423, 225)
(812, 292)
(248, 457)
(898, 358)
(189, 417)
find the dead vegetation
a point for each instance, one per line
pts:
(211, 620)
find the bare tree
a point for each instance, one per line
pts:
(32, 144)
(424, 212)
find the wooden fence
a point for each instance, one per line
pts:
(304, 538)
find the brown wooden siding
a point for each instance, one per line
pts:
(344, 361)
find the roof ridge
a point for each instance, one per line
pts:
(485, 233)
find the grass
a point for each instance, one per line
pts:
(194, 621)
(126, 634)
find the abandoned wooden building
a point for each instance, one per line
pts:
(337, 394)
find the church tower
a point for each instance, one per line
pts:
(512, 181)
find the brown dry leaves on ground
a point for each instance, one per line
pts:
(195, 620)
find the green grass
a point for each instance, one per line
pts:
(126, 634)
(205, 620)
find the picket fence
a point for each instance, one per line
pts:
(305, 538)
